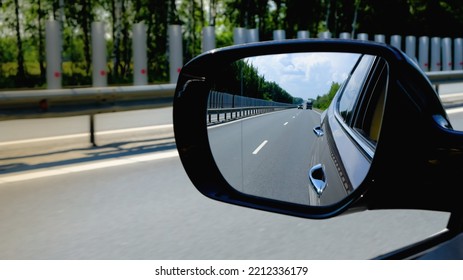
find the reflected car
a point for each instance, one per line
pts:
(348, 132)
(384, 142)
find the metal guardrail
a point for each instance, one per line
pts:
(439, 78)
(91, 101)
(223, 107)
(83, 101)
(445, 77)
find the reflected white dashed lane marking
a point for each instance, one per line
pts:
(259, 148)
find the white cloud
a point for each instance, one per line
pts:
(305, 75)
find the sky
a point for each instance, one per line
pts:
(305, 75)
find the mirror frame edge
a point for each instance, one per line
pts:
(193, 149)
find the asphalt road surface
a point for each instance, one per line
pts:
(129, 198)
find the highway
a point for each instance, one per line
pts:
(267, 155)
(129, 198)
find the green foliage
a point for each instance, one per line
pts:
(24, 44)
(243, 79)
(322, 102)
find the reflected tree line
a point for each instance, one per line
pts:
(243, 79)
(22, 27)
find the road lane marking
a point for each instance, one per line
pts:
(285, 123)
(99, 133)
(86, 167)
(259, 148)
(454, 110)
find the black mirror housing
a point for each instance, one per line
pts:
(415, 158)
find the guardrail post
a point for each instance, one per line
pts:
(423, 55)
(175, 52)
(140, 58)
(208, 42)
(458, 54)
(436, 54)
(53, 54)
(100, 72)
(92, 130)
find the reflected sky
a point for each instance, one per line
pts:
(305, 75)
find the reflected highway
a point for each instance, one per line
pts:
(268, 155)
(129, 198)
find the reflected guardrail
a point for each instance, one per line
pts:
(223, 107)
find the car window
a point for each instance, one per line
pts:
(353, 89)
(370, 113)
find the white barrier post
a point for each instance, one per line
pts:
(396, 41)
(53, 54)
(208, 38)
(324, 35)
(303, 34)
(140, 57)
(458, 53)
(362, 36)
(239, 35)
(253, 35)
(100, 72)
(175, 52)
(410, 47)
(423, 56)
(279, 35)
(345, 35)
(380, 38)
(436, 63)
(447, 64)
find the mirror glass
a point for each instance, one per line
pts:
(263, 114)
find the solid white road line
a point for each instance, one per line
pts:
(86, 167)
(63, 137)
(454, 110)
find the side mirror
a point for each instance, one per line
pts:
(242, 139)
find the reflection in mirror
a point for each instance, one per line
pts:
(261, 117)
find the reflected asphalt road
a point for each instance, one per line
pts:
(268, 155)
(133, 200)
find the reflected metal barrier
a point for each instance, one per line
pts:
(223, 107)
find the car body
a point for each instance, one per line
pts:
(385, 142)
(300, 106)
(352, 122)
